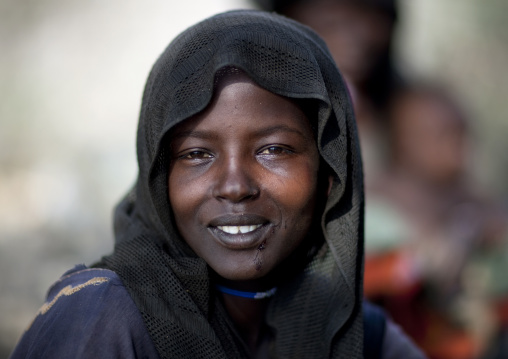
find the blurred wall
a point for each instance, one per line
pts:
(71, 78)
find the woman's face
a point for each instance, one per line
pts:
(243, 180)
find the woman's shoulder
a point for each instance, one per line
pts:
(88, 312)
(383, 339)
(396, 344)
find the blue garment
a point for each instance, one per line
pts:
(90, 314)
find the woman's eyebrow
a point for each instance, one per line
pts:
(205, 135)
(278, 128)
(211, 135)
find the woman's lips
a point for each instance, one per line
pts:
(240, 231)
(247, 240)
(238, 219)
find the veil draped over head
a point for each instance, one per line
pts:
(317, 314)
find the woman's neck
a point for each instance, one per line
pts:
(248, 316)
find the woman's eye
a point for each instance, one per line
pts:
(274, 150)
(196, 155)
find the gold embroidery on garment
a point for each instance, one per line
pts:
(69, 290)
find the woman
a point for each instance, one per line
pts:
(243, 234)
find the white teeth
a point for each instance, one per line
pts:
(241, 229)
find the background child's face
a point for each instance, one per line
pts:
(429, 137)
(243, 180)
(357, 36)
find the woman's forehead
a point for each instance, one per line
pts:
(232, 75)
(239, 102)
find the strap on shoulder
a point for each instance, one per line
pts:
(374, 324)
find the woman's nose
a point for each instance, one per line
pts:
(235, 181)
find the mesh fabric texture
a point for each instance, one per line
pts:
(317, 314)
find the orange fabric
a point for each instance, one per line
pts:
(389, 281)
(389, 274)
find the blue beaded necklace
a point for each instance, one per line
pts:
(251, 295)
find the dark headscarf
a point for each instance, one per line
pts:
(318, 313)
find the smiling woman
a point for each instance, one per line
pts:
(242, 237)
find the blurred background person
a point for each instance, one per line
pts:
(443, 256)
(359, 34)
